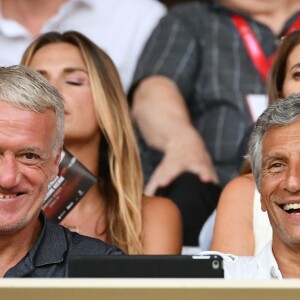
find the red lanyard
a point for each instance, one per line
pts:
(253, 47)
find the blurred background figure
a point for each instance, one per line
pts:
(120, 27)
(190, 96)
(241, 227)
(98, 132)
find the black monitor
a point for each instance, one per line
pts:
(146, 266)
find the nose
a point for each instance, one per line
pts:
(293, 179)
(60, 87)
(58, 84)
(10, 174)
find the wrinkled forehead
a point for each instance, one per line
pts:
(282, 138)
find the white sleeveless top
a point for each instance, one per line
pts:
(261, 225)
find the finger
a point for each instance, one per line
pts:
(206, 174)
(150, 188)
(153, 182)
(161, 177)
(207, 178)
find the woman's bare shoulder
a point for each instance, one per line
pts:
(242, 183)
(162, 226)
(245, 178)
(233, 230)
(154, 202)
(239, 192)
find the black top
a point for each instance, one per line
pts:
(49, 255)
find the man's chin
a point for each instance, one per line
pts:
(7, 228)
(291, 238)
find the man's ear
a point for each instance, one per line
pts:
(262, 204)
(56, 162)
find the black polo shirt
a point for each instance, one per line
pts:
(49, 255)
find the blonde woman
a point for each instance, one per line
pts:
(98, 132)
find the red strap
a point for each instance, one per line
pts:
(293, 27)
(253, 47)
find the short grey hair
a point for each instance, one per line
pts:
(26, 89)
(280, 113)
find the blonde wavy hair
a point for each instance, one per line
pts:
(120, 174)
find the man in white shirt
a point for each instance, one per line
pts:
(120, 27)
(274, 154)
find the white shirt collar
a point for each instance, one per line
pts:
(262, 266)
(12, 28)
(90, 3)
(267, 261)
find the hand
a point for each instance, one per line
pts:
(187, 154)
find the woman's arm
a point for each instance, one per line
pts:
(233, 231)
(162, 226)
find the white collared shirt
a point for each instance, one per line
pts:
(262, 266)
(119, 27)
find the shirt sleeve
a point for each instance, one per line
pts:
(172, 50)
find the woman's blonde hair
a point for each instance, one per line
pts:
(120, 171)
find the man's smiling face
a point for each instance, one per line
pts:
(26, 164)
(280, 181)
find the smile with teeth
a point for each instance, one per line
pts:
(7, 196)
(292, 208)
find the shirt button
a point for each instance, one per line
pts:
(273, 272)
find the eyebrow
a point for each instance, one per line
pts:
(65, 70)
(71, 70)
(296, 66)
(273, 155)
(31, 149)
